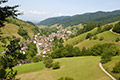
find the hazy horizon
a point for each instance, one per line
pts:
(41, 10)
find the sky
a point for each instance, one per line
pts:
(38, 10)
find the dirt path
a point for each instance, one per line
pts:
(114, 32)
(100, 65)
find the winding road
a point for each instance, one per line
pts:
(100, 65)
(114, 32)
(38, 49)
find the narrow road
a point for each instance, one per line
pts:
(114, 32)
(100, 65)
(38, 49)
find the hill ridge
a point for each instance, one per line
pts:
(99, 16)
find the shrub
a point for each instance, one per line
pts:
(89, 35)
(117, 39)
(106, 56)
(90, 38)
(117, 28)
(56, 65)
(37, 59)
(101, 38)
(66, 78)
(32, 51)
(61, 78)
(95, 37)
(116, 69)
(107, 27)
(48, 62)
(23, 33)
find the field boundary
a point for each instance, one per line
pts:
(100, 65)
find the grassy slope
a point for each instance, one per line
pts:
(75, 26)
(109, 66)
(53, 26)
(29, 67)
(11, 29)
(79, 68)
(79, 38)
(89, 43)
(109, 37)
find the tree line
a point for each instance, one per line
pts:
(117, 28)
(104, 50)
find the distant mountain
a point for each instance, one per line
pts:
(100, 16)
(54, 20)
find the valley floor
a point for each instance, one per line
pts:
(78, 68)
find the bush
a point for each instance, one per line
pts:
(101, 38)
(117, 28)
(117, 39)
(116, 69)
(56, 65)
(23, 33)
(48, 62)
(95, 37)
(107, 27)
(32, 51)
(66, 78)
(89, 35)
(37, 59)
(90, 38)
(106, 56)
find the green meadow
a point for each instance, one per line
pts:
(78, 68)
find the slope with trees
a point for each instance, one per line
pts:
(100, 16)
(12, 55)
(98, 35)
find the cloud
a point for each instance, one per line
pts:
(33, 12)
(61, 14)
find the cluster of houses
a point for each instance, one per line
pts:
(44, 43)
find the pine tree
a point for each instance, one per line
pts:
(6, 12)
(12, 55)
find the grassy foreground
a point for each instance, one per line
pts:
(109, 66)
(29, 67)
(79, 68)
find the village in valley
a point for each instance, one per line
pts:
(59, 40)
(44, 43)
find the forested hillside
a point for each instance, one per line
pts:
(97, 17)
